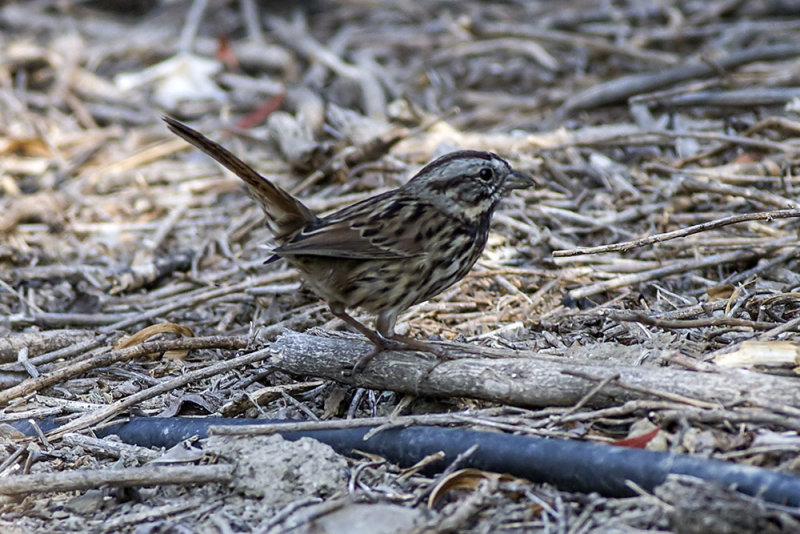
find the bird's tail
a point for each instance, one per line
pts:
(285, 214)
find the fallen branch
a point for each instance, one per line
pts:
(155, 475)
(528, 380)
(683, 232)
(40, 342)
(641, 317)
(622, 88)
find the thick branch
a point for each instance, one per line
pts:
(530, 379)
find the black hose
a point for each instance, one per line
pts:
(569, 465)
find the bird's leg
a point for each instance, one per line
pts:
(385, 338)
(385, 325)
(380, 342)
(366, 331)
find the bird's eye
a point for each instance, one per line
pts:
(486, 173)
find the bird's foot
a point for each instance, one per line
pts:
(401, 343)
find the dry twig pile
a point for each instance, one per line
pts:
(637, 120)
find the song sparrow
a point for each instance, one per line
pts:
(390, 251)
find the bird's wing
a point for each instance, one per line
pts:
(376, 228)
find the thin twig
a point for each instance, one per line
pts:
(683, 232)
(103, 360)
(121, 405)
(641, 317)
(677, 266)
(627, 86)
(151, 475)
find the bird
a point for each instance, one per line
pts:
(390, 251)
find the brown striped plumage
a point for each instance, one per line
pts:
(390, 251)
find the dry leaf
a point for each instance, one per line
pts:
(724, 291)
(177, 406)
(261, 112)
(465, 479)
(28, 147)
(162, 328)
(638, 442)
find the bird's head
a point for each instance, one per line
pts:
(467, 184)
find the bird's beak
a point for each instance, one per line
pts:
(518, 180)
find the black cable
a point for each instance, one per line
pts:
(569, 465)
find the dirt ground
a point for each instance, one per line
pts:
(132, 276)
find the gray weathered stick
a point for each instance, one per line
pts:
(626, 86)
(530, 380)
(155, 475)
